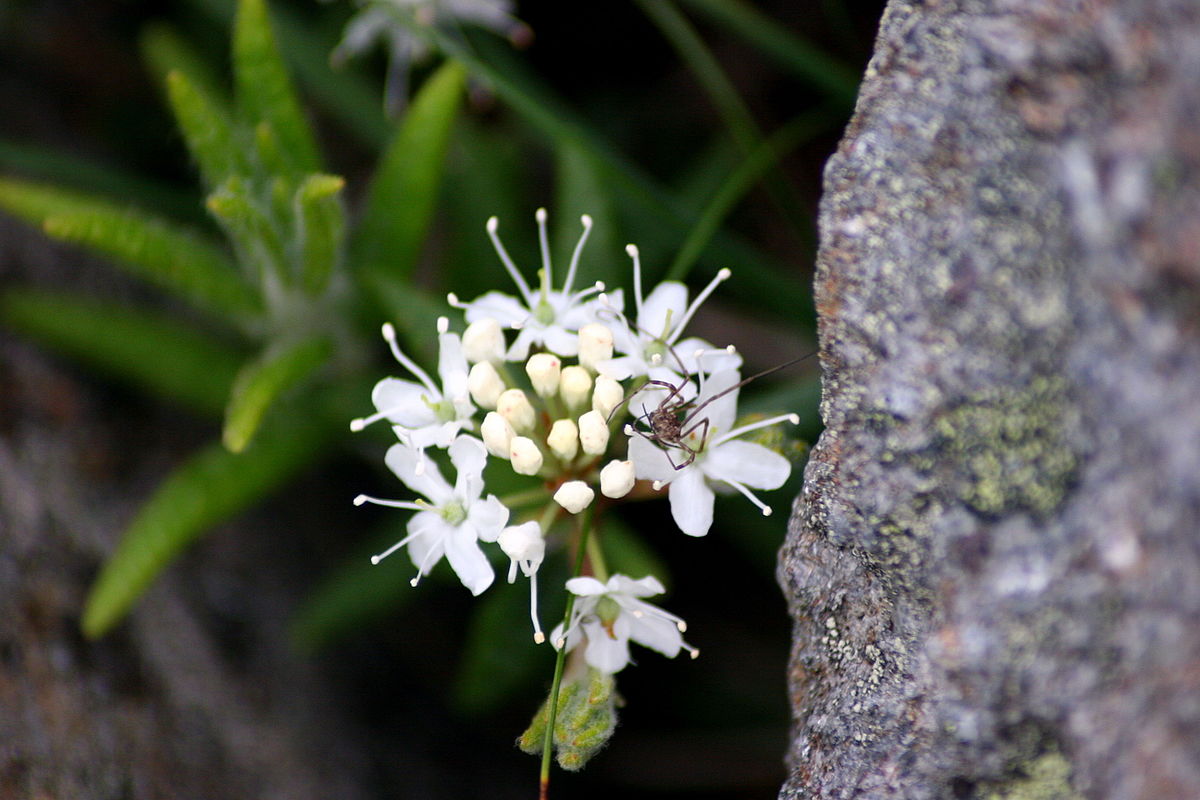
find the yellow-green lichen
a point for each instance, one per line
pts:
(1047, 777)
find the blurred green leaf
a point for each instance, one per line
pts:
(164, 51)
(262, 381)
(400, 202)
(581, 190)
(788, 50)
(321, 220)
(497, 660)
(264, 90)
(414, 312)
(251, 229)
(148, 350)
(627, 553)
(172, 257)
(208, 129)
(208, 488)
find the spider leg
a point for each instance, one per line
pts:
(703, 436)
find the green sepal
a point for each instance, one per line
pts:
(208, 129)
(586, 719)
(401, 199)
(262, 381)
(168, 255)
(141, 348)
(264, 90)
(320, 220)
(208, 488)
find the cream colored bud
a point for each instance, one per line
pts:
(543, 370)
(497, 434)
(525, 456)
(485, 385)
(616, 479)
(574, 496)
(593, 433)
(483, 340)
(595, 344)
(575, 385)
(514, 406)
(607, 396)
(564, 439)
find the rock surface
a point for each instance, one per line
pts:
(994, 568)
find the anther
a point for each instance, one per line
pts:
(493, 224)
(358, 501)
(389, 332)
(443, 325)
(540, 215)
(632, 250)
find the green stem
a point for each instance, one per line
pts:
(585, 519)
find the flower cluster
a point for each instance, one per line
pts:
(588, 400)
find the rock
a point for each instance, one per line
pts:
(994, 567)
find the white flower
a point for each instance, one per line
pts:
(525, 456)
(544, 371)
(593, 433)
(422, 414)
(514, 406)
(453, 520)
(497, 434)
(574, 496)
(617, 479)
(719, 457)
(483, 340)
(652, 346)
(485, 384)
(526, 547)
(575, 386)
(563, 439)
(607, 396)
(609, 615)
(546, 317)
(595, 344)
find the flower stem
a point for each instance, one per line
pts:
(585, 519)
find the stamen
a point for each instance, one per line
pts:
(632, 250)
(736, 432)
(392, 549)
(443, 324)
(492, 225)
(598, 286)
(766, 509)
(538, 636)
(721, 277)
(405, 504)
(453, 301)
(587, 229)
(426, 564)
(389, 335)
(657, 486)
(693, 652)
(357, 425)
(544, 242)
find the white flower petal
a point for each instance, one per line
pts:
(746, 462)
(649, 461)
(669, 297)
(655, 632)
(692, 502)
(530, 335)
(504, 308)
(428, 544)
(403, 461)
(452, 365)
(561, 341)
(603, 652)
(403, 402)
(586, 587)
(714, 360)
(643, 587)
(488, 516)
(721, 412)
(467, 559)
(469, 457)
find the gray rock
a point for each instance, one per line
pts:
(994, 568)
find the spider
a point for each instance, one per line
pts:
(671, 423)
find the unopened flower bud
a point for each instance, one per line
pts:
(497, 434)
(607, 396)
(575, 386)
(593, 433)
(483, 340)
(564, 439)
(525, 456)
(523, 543)
(514, 406)
(616, 479)
(595, 344)
(574, 496)
(544, 370)
(485, 384)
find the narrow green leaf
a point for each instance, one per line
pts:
(262, 381)
(164, 51)
(152, 351)
(497, 659)
(251, 229)
(208, 129)
(171, 256)
(321, 222)
(786, 48)
(208, 488)
(581, 189)
(264, 90)
(401, 199)
(413, 311)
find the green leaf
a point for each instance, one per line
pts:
(170, 256)
(164, 51)
(321, 222)
(497, 659)
(208, 488)
(264, 91)
(251, 228)
(208, 129)
(152, 351)
(401, 199)
(837, 80)
(413, 311)
(582, 190)
(627, 553)
(262, 381)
